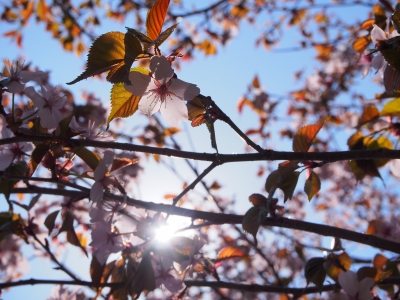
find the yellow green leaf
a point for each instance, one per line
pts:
(392, 108)
(89, 157)
(312, 186)
(155, 18)
(380, 142)
(304, 137)
(336, 264)
(123, 103)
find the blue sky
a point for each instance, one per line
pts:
(225, 77)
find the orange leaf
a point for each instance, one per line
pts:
(256, 82)
(257, 199)
(361, 43)
(304, 137)
(379, 261)
(230, 252)
(369, 114)
(155, 18)
(312, 186)
(366, 25)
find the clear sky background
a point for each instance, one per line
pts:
(225, 77)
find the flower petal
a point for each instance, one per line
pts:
(161, 69)
(349, 282)
(364, 289)
(378, 62)
(6, 158)
(97, 192)
(377, 34)
(139, 83)
(35, 97)
(47, 119)
(15, 86)
(149, 104)
(174, 110)
(183, 89)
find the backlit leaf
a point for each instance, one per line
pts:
(380, 142)
(252, 220)
(155, 18)
(288, 185)
(370, 113)
(257, 199)
(272, 180)
(305, 136)
(366, 25)
(123, 103)
(379, 261)
(256, 82)
(230, 252)
(37, 154)
(336, 264)
(198, 106)
(144, 279)
(312, 185)
(361, 43)
(392, 55)
(90, 158)
(114, 52)
(392, 108)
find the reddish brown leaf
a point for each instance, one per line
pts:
(155, 18)
(370, 113)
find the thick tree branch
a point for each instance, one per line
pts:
(51, 281)
(220, 218)
(266, 155)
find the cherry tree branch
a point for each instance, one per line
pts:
(33, 281)
(221, 218)
(199, 11)
(266, 155)
(276, 289)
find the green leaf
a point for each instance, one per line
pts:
(155, 18)
(392, 108)
(50, 220)
(144, 279)
(314, 271)
(391, 55)
(288, 185)
(253, 219)
(272, 180)
(312, 185)
(36, 157)
(89, 157)
(7, 185)
(124, 103)
(114, 52)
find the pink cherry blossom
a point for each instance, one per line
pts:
(49, 103)
(59, 292)
(355, 290)
(101, 176)
(10, 152)
(162, 92)
(91, 132)
(105, 241)
(17, 78)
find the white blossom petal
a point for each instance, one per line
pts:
(364, 289)
(183, 89)
(174, 111)
(349, 282)
(149, 104)
(97, 192)
(15, 86)
(377, 34)
(161, 69)
(6, 158)
(378, 62)
(35, 97)
(139, 83)
(47, 119)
